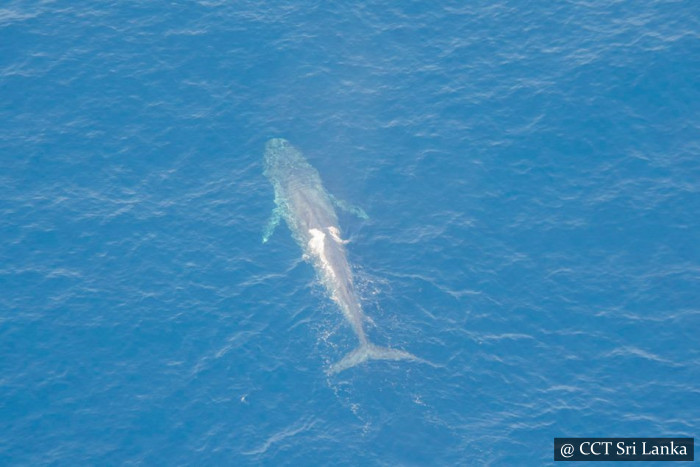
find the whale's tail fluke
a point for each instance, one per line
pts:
(370, 352)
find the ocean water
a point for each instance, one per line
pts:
(532, 175)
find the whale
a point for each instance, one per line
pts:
(309, 212)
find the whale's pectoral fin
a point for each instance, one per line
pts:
(347, 207)
(271, 224)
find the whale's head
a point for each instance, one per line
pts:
(281, 158)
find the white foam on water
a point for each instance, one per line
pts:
(317, 245)
(335, 233)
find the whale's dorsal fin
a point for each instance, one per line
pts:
(347, 207)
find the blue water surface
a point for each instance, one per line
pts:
(532, 175)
